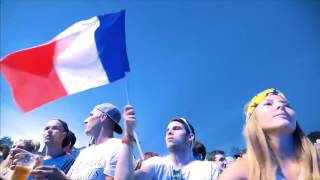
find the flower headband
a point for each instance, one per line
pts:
(256, 100)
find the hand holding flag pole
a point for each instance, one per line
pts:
(134, 132)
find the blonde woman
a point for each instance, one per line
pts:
(277, 148)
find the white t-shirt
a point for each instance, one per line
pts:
(163, 168)
(96, 161)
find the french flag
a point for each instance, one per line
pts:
(88, 54)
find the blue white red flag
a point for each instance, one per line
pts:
(88, 54)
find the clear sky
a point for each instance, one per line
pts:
(202, 60)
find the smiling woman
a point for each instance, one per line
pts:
(276, 145)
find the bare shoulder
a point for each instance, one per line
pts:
(237, 170)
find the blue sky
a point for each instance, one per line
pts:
(202, 60)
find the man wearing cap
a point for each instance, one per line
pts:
(179, 164)
(99, 160)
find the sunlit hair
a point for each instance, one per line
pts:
(26, 144)
(261, 160)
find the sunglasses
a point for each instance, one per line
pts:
(222, 159)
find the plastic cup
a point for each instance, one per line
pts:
(24, 165)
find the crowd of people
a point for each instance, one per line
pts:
(277, 148)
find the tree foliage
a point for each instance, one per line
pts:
(6, 140)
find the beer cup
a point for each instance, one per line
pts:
(24, 165)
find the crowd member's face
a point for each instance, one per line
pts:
(176, 135)
(54, 133)
(93, 122)
(220, 160)
(275, 115)
(20, 144)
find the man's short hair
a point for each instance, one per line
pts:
(187, 126)
(27, 144)
(199, 148)
(149, 154)
(211, 155)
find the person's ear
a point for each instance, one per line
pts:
(103, 117)
(191, 137)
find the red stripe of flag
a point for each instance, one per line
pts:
(31, 72)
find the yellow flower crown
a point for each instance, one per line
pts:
(256, 100)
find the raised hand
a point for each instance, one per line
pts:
(129, 120)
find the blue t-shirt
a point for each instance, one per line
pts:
(63, 162)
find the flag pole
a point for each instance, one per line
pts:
(134, 132)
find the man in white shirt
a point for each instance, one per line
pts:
(98, 161)
(179, 164)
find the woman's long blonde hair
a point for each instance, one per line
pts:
(262, 163)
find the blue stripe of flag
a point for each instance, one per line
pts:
(111, 45)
